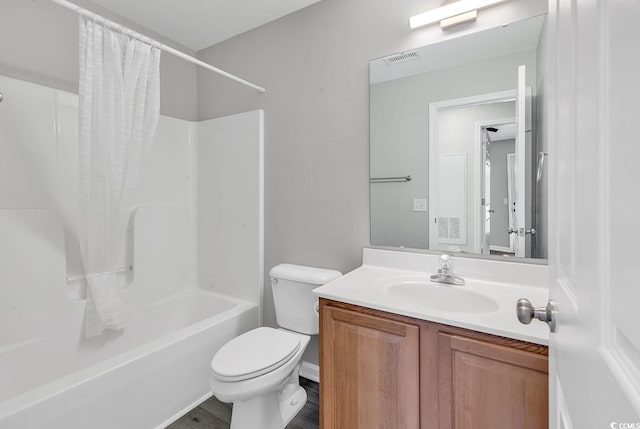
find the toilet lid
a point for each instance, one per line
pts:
(254, 353)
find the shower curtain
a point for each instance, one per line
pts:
(119, 111)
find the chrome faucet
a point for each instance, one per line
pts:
(445, 273)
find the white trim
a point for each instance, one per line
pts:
(511, 165)
(488, 98)
(434, 156)
(261, 216)
(501, 249)
(478, 179)
(434, 152)
(310, 371)
(521, 166)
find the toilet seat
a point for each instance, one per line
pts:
(254, 353)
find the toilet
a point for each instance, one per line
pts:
(258, 370)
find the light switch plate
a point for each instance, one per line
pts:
(505, 202)
(419, 204)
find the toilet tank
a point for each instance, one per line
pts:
(294, 302)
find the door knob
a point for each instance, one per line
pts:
(527, 312)
(521, 231)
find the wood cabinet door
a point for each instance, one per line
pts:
(369, 371)
(484, 385)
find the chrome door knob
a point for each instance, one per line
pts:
(521, 231)
(527, 312)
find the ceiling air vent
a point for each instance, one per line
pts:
(402, 57)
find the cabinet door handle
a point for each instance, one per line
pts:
(527, 312)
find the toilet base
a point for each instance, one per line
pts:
(291, 404)
(273, 410)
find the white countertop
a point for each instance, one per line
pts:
(366, 286)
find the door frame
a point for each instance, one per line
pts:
(512, 239)
(434, 151)
(479, 176)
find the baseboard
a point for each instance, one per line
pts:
(185, 410)
(310, 371)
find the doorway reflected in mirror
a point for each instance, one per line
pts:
(464, 118)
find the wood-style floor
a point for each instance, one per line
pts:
(213, 414)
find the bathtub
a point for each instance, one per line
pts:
(142, 378)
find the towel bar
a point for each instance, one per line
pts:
(390, 179)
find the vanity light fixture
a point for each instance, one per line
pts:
(451, 13)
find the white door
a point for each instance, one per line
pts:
(511, 198)
(595, 279)
(521, 129)
(485, 238)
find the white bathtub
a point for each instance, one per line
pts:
(144, 378)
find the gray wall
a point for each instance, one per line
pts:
(314, 64)
(39, 43)
(499, 191)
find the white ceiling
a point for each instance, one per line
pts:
(521, 36)
(198, 24)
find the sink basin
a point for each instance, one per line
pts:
(442, 297)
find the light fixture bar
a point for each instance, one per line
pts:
(459, 19)
(449, 10)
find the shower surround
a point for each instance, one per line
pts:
(184, 296)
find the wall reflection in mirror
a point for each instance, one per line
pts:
(458, 144)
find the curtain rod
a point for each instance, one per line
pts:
(114, 26)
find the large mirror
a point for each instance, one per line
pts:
(458, 145)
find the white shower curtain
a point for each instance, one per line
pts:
(119, 111)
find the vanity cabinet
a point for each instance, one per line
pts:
(485, 385)
(381, 370)
(370, 371)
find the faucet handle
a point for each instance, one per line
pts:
(445, 261)
(445, 273)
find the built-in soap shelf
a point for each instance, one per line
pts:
(142, 220)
